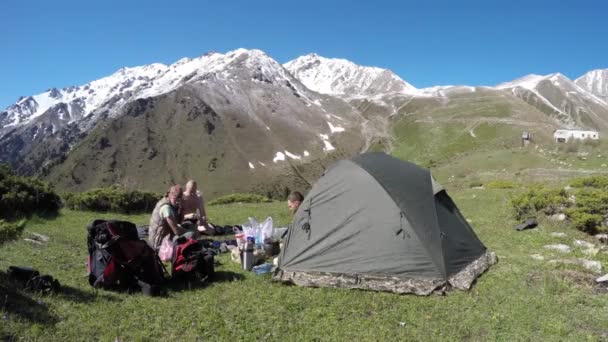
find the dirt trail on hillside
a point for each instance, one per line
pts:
(477, 121)
(545, 173)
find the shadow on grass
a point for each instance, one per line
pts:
(185, 284)
(17, 303)
(77, 295)
(24, 305)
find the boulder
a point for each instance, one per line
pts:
(559, 235)
(603, 238)
(559, 247)
(591, 265)
(583, 244)
(558, 217)
(602, 279)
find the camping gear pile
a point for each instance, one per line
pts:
(120, 260)
(379, 223)
(255, 242)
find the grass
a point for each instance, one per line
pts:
(518, 299)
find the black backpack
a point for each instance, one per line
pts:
(119, 260)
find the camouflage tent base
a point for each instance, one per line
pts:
(419, 286)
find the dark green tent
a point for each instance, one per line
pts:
(376, 222)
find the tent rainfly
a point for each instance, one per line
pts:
(379, 223)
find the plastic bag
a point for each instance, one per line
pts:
(166, 249)
(266, 229)
(259, 231)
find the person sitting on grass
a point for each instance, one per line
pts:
(167, 218)
(193, 208)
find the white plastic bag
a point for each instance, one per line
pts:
(266, 229)
(259, 231)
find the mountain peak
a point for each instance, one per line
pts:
(342, 77)
(595, 82)
(532, 80)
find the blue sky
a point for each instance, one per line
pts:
(57, 43)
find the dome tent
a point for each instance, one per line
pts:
(379, 223)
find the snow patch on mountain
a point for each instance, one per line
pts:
(327, 145)
(444, 91)
(278, 157)
(292, 156)
(335, 129)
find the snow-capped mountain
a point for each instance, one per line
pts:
(251, 115)
(340, 77)
(242, 119)
(596, 82)
(561, 98)
(127, 84)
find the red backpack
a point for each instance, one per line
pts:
(191, 259)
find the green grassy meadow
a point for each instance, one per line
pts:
(518, 299)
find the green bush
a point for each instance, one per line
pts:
(572, 146)
(587, 212)
(501, 184)
(240, 198)
(539, 199)
(24, 196)
(593, 201)
(10, 230)
(592, 142)
(585, 221)
(112, 199)
(599, 182)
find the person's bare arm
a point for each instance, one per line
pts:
(201, 206)
(177, 230)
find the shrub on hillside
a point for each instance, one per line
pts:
(10, 230)
(24, 196)
(113, 199)
(586, 222)
(240, 198)
(592, 142)
(587, 208)
(501, 184)
(539, 199)
(599, 182)
(572, 146)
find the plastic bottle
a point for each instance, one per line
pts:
(263, 268)
(248, 254)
